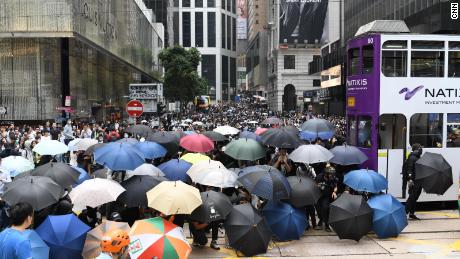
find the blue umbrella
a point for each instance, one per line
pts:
(83, 175)
(266, 182)
(151, 150)
(251, 135)
(365, 180)
(389, 217)
(285, 221)
(311, 136)
(65, 235)
(319, 127)
(176, 170)
(39, 248)
(119, 156)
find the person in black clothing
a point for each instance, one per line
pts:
(415, 189)
(327, 183)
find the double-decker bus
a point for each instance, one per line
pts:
(402, 89)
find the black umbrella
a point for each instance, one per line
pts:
(304, 191)
(139, 129)
(169, 140)
(39, 191)
(63, 174)
(265, 181)
(136, 189)
(215, 136)
(350, 217)
(317, 125)
(434, 173)
(281, 138)
(90, 150)
(247, 230)
(272, 121)
(347, 155)
(216, 206)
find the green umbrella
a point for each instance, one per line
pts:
(245, 149)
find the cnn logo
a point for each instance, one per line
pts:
(454, 11)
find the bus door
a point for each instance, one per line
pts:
(392, 130)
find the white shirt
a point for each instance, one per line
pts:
(4, 178)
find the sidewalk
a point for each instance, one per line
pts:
(437, 235)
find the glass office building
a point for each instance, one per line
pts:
(87, 49)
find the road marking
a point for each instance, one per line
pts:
(444, 214)
(443, 250)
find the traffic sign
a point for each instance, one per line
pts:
(3, 110)
(134, 108)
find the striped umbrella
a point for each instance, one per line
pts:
(158, 238)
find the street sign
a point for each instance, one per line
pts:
(134, 108)
(3, 110)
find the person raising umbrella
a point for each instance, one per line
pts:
(415, 189)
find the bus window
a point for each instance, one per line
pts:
(426, 129)
(368, 59)
(453, 130)
(353, 62)
(364, 131)
(394, 58)
(454, 59)
(427, 63)
(392, 131)
(352, 131)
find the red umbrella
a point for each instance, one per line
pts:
(259, 131)
(197, 143)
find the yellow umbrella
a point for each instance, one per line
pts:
(194, 158)
(172, 198)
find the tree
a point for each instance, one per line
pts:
(181, 80)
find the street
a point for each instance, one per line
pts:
(436, 236)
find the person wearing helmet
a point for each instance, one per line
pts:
(114, 244)
(327, 183)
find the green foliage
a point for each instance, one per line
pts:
(181, 80)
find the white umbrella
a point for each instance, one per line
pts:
(50, 147)
(253, 122)
(198, 123)
(310, 154)
(188, 120)
(212, 173)
(227, 130)
(95, 192)
(174, 198)
(81, 144)
(16, 165)
(145, 169)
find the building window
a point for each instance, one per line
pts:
(211, 3)
(211, 29)
(208, 71)
(233, 34)
(233, 72)
(199, 29)
(364, 131)
(229, 5)
(225, 78)
(185, 3)
(186, 30)
(223, 27)
(229, 32)
(453, 130)
(176, 27)
(426, 129)
(198, 3)
(234, 6)
(222, 4)
(289, 62)
(353, 61)
(176, 3)
(368, 59)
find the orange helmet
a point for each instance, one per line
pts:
(114, 241)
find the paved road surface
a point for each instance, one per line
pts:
(436, 236)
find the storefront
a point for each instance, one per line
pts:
(85, 51)
(327, 100)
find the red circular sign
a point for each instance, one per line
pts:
(134, 108)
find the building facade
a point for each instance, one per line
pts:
(210, 26)
(256, 53)
(86, 51)
(295, 30)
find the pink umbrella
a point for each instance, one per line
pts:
(197, 143)
(259, 131)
